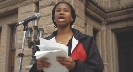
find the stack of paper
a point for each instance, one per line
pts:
(52, 50)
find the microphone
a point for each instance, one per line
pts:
(35, 16)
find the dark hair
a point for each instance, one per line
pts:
(72, 13)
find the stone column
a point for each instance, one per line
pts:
(103, 45)
(98, 37)
(5, 48)
(115, 60)
(24, 11)
(109, 50)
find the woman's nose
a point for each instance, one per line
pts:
(61, 12)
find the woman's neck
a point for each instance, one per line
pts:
(64, 32)
(64, 35)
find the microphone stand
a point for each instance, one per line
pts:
(34, 48)
(31, 43)
(23, 42)
(35, 42)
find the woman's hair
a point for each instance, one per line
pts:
(72, 13)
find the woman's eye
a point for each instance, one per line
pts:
(57, 10)
(66, 10)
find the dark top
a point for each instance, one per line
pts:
(85, 53)
(69, 47)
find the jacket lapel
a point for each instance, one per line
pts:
(74, 44)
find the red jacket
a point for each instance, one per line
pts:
(84, 52)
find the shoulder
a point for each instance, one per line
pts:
(51, 36)
(80, 36)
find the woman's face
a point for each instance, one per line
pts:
(63, 15)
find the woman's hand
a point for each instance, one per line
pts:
(41, 63)
(67, 62)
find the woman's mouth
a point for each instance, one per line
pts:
(61, 18)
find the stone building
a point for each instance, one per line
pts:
(110, 22)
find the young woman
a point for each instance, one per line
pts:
(83, 54)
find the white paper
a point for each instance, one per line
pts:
(52, 50)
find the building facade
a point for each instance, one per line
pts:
(110, 22)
